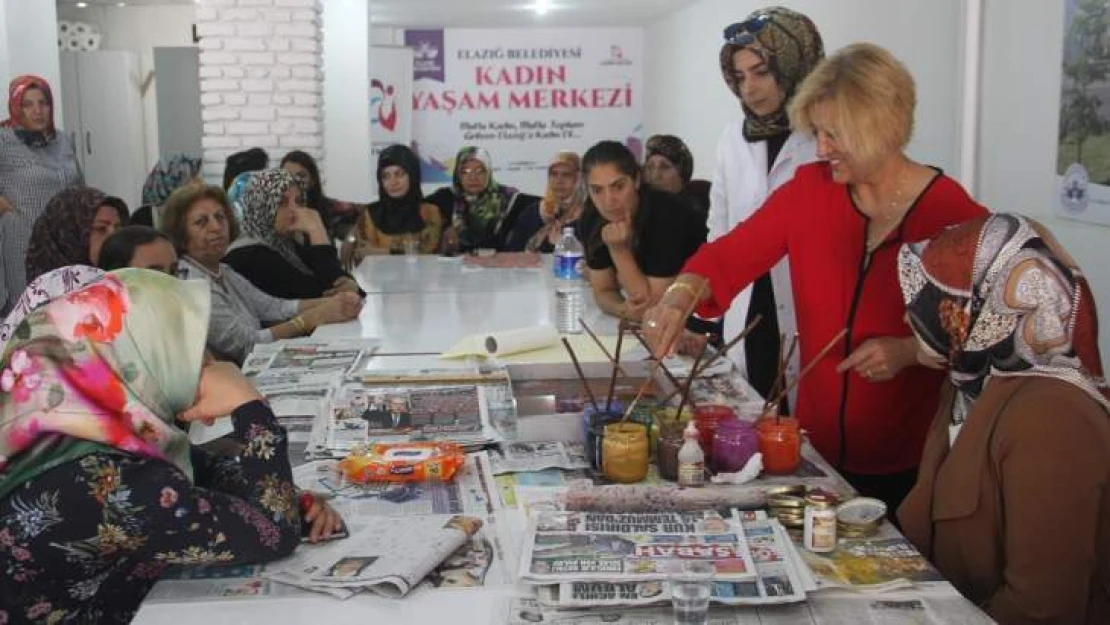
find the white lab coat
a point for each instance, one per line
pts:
(740, 186)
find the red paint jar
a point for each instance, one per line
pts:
(707, 418)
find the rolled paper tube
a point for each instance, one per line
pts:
(521, 340)
(617, 498)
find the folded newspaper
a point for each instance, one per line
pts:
(564, 547)
(777, 580)
(386, 556)
(526, 457)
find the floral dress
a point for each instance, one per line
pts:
(85, 541)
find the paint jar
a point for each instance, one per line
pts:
(666, 450)
(595, 434)
(707, 418)
(624, 455)
(734, 443)
(615, 407)
(780, 442)
(663, 416)
(819, 530)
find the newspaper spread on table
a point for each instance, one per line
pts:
(362, 414)
(935, 605)
(538, 456)
(880, 563)
(387, 556)
(604, 547)
(306, 361)
(777, 580)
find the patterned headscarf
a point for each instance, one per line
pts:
(674, 150)
(106, 367)
(260, 201)
(49, 286)
(556, 213)
(61, 234)
(398, 215)
(998, 296)
(17, 88)
(167, 176)
(479, 218)
(235, 193)
(788, 42)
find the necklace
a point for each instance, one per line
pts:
(883, 223)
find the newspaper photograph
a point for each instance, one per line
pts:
(526, 457)
(526, 611)
(306, 361)
(880, 563)
(776, 581)
(606, 547)
(360, 415)
(386, 556)
(471, 492)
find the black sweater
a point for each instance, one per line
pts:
(268, 270)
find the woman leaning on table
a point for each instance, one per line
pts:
(1012, 502)
(100, 490)
(201, 225)
(868, 403)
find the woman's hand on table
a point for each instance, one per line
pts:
(336, 309)
(880, 359)
(343, 284)
(324, 519)
(635, 304)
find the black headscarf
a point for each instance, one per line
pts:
(398, 215)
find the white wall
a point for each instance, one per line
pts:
(1022, 53)
(346, 54)
(29, 45)
(139, 29)
(686, 95)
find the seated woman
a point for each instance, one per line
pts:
(138, 246)
(481, 212)
(636, 239)
(72, 228)
(400, 213)
(102, 492)
(167, 176)
(338, 217)
(200, 224)
(541, 223)
(266, 253)
(1012, 502)
(669, 167)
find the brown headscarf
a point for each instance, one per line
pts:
(60, 236)
(788, 42)
(18, 88)
(999, 296)
(557, 213)
(674, 150)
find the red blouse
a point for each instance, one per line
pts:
(859, 426)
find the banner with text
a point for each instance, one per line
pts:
(523, 95)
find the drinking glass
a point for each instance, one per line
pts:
(691, 586)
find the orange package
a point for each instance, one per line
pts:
(404, 462)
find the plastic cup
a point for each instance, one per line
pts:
(691, 587)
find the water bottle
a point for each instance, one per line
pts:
(570, 285)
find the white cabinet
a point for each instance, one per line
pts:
(103, 110)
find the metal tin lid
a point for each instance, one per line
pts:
(820, 499)
(861, 511)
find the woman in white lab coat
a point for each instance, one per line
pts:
(764, 59)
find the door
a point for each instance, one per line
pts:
(111, 131)
(177, 86)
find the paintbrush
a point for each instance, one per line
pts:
(616, 367)
(690, 380)
(824, 351)
(581, 376)
(724, 350)
(601, 346)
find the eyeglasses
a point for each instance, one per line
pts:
(743, 33)
(472, 171)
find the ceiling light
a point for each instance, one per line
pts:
(81, 5)
(541, 7)
(121, 4)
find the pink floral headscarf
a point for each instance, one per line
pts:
(108, 366)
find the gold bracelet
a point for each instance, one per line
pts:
(299, 324)
(676, 285)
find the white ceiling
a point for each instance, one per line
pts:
(491, 13)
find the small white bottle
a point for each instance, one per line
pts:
(691, 459)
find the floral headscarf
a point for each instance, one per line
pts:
(479, 218)
(61, 234)
(557, 213)
(261, 200)
(167, 176)
(999, 296)
(107, 367)
(398, 215)
(17, 88)
(674, 150)
(788, 42)
(47, 287)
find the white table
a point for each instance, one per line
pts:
(423, 305)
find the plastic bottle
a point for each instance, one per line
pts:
(691, 460)
(570, 284)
